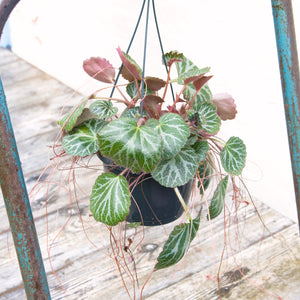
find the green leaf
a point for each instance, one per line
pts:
(153, 123)
(72, 117)
(187, 68)
(83, 140)
(174, 132)
(110, 199)
(133, 92)
(172, 57)
(217, 202)
(204, 95)
(103, 109)
(208, 118)
(190, 73)
(233, 156)
(133, 113)
(177, 244)
(192, 139)
(86, 115)
(177, 170)
(201, 148)
(129, 145)
(205, 171)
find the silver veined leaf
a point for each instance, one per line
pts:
(201, 148)
(129, 145)
(205, 172)
(103, 109)
(133, 113)
(69, 120)
(177, 170)
(204, 95)
(177, 244)
(208, 118)
(172, 57)
(132, 91)
(110, 199)
(217, 202)
(174, 132)
(187, 68)
(233, 156)
(83, 139)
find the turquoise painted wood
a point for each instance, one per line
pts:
(289, 71)
(19, 211)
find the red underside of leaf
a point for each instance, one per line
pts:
(226, 108)
(154, 84)
(131, 68)
(151, 103)
(173, 60)
(100, 69)
(193, 79)
(199, 83)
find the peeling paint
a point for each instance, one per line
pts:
(19, 211)
(289, 71)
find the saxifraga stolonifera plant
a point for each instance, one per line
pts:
(175, 141)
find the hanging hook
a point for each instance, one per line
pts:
(161, 47)
(129, 46)
(144, 57)
(145, 49)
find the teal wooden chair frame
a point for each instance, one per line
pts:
(11, 176)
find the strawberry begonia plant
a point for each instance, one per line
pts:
(175, 141)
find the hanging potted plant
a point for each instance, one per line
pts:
(155, 151)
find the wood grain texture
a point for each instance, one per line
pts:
(257, 263)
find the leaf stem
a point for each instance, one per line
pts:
(190, 103)
(138, 88)
(124, 97)
(177, 98)
(167, 84)
(181, 200)
(94, 97)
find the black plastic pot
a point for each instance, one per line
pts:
(155, 204)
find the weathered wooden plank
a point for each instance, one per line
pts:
(55, 187)
(200, 252)
(90, 256)
(84, 274)
(23, 70)
(34, 98)
(63, 250)
(40, 91)
(6, 57)
(271, 269)
(17, 292)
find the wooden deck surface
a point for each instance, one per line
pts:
(269, 259)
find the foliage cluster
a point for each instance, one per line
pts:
(176, 141)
